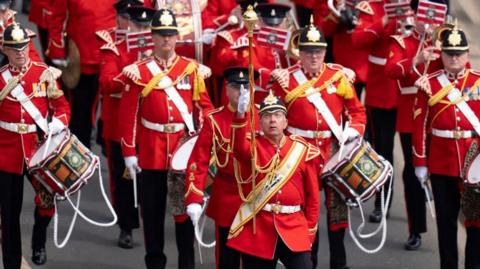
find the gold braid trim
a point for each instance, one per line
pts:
(440, 95)
(191, 68)
(192, 188)
(343, 89)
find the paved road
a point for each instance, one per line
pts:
(95, 247)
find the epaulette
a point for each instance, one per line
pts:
(41, 64)
(475, 72)
(241, 42)
(365, 7)
(132, 72)
(312, 151)
(226, 35)
(399, 40)
(204, 71)
(111, 47)
(336, 67)
(214, 111)
(104, 35)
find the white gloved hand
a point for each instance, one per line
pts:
(56, 126)
(207, 36)
(243, 100)
(422, 174)
(131, 163)
(194, 211)
(60, 62)
(351, 134)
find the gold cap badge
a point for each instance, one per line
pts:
(166, 18)
(17, 33)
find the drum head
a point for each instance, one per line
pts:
(37, 157)
(182, 154)
(347, 151)
(473, 173)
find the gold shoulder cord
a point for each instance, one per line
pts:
(219, 143)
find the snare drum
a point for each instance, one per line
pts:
(67, 164)
(359, 173)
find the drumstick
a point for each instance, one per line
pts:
(135, 201)
(427, 191)
(344, 139)
(47, 145)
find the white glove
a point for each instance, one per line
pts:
(207, 36)
(60, 62)
(351, 134)
(422, 174)
(194, 211)
(131, 163)
(56, 126)
(243, 100)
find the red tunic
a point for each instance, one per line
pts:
(343, 50)
(16, 149)
(444, 156)
(39, 13)
(216, 13)
(111, 82)
(370, 35)
(224, 189)
(85, 17)
(344, 106)
(399, 67)
(155, 148)
(296, 230)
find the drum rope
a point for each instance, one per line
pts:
(55, 223)
(383, 223)
(109, 205)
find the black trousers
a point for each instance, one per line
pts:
(414, 193)
(153, 198)
(291, 260)
(446, 194)
(11, 199)
(82, 100)
(122, 189)
(381, 128)
(227, 258)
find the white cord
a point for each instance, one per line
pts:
(383, 223)
(109, 205)
(200, 227)
(55, 223)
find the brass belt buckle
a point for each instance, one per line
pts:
(22, 128)
(276, 208)
(168, 128)
(457, 134)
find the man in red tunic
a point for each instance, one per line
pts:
(278, 218)
(162, 103)
(25, 106)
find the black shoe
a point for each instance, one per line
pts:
(414, 242)
(125, 239)
(376, 216)
(39, 256)
(343, 267)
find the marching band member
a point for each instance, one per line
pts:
(216, 137)
(26, 102)
(115, 56)
(403, 65)
(39, 14)
(162, 100)
(278, 219)
(319, 121)
(83, 20)
(381, 93)
(446, 125)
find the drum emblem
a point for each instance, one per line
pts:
(74, 159)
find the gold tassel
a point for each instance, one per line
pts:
(344, 89)
(151, 84)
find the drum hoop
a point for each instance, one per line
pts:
(466, 180)
(56, 150)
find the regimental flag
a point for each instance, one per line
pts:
(139, 41)
(273, 37)
(431, 13)
(398, 10)
(120, 34)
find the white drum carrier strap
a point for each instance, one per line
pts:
(320, 105)
(19, 94)
(455, 95)
(172, 93)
